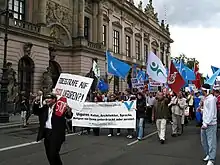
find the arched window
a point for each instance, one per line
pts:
(26, 75)
(55, 70)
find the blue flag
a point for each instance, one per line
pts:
(141, 75)
(134, 70)
(211, 80)
(117, 67)
(207, 77)
(102, 86)
(187, 73)
(214, 69)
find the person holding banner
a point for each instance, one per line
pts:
(52, 128)
(112, 99)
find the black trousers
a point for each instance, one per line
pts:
(111, 130)
(52, 148)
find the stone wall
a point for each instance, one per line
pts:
(39, 54)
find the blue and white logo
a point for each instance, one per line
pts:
(129, 104)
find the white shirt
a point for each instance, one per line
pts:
(48, 123)
(150, 100)
(210, 111)
(190, 98)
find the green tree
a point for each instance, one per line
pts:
(189, 62)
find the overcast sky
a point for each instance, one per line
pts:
(195, 28)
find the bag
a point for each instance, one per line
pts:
(186, 111)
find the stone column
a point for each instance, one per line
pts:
(150, 46)
(110, 32)
(133, 50)
(75, 18)
(142, 46)
(94, 22)
(41, 12)
(100, 22)
(123, 37)
(81, 18)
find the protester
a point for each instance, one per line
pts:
(161, 114)
(52, 127)
(209, 125)
(150, 102)
(197, 100)
(178, 108)
(190, 99)
(216, 89)
(112, 99)
(140, 113)
(24, 109)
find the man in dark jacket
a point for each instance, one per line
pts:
(161, 114)
(52, 127)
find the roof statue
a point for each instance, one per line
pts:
(162, 24)
(140, 5)
(167, 28)
(149, 11)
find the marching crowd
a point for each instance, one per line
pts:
(161, 108)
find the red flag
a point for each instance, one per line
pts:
(174, 80)
(197, 82)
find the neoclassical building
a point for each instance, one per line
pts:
(67, 35)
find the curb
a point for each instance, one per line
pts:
(16, 125)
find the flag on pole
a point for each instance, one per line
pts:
(175, 81)
(117, 67)
(96, 69)
(156, 69)
(197, 82)
(211, 80)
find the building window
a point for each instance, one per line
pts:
(155, 51)
(138, 49)
(104, 37)
(128, 46)
(167, 60)
(86, 28)
(162, 57)
(145, 53)
(17, 7)
(116, 42)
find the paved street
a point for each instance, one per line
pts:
(17, 147)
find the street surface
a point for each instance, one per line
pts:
(17, 146)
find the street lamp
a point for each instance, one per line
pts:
(4, 116)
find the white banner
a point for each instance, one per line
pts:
(137, 83)
(106, 115)
(75, 88)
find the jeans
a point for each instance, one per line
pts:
(140, 127)
(209, 141)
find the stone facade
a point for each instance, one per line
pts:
(68, 35)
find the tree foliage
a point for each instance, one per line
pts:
(190, 62)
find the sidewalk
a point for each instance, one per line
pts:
(15, 121)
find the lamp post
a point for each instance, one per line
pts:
(4, 116)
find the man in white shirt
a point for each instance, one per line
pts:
(150, 100)
(209, 125)
(52, 126)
